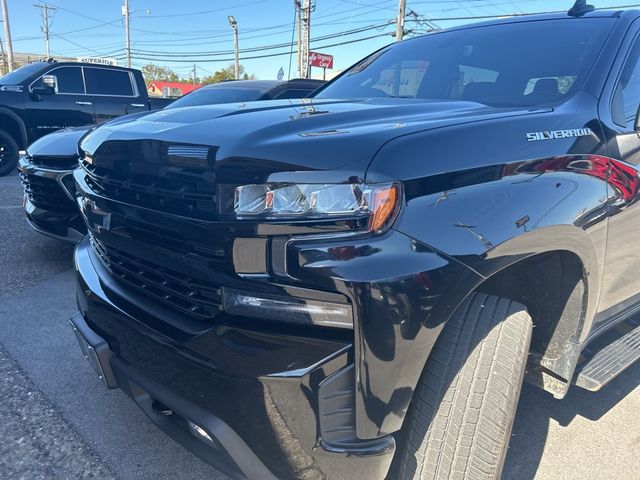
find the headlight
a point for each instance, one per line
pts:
(278, 201)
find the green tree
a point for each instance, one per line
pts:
(225, 74)
(153, 73)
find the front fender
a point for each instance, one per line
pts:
(522, 212)
(402, 292)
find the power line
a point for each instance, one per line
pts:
(230, 59)
(24, 39)
(85, 48)
(261, 48)
(205, 12)
(419, 19)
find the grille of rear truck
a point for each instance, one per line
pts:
(46, 193)
(187, 295)
(176, 191)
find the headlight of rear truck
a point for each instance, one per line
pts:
(318, 201)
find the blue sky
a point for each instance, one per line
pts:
(179, 34)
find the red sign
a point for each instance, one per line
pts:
(321, 60)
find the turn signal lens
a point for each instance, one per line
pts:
(383, 207)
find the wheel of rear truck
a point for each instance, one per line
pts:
(460, 419)
(9, 152)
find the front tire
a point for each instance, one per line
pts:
(9, 153)
(460, 420)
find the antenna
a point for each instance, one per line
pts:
(580, 8)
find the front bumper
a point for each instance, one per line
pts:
(263, 397)
(49, 201)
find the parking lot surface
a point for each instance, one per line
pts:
(58, 421)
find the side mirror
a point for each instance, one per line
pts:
(48, 86)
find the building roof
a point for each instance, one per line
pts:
(183, 87)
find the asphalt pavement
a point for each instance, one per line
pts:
(57, 421)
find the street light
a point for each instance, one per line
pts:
(236, 66)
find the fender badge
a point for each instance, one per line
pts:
(558, 134)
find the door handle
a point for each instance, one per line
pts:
(84, 103)
(138, 105)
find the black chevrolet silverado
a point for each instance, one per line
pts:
(46, 169)
(347, 287)
(42, 97)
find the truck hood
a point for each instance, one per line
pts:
(62, 143)
(301, 136)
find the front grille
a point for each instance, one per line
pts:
(175, 191)
(190, 296)
(172, 239)
(46, 193)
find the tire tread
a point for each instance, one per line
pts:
(461, 416)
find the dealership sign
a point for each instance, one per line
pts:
(321, 60)
(98, 60)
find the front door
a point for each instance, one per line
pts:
(67, 106)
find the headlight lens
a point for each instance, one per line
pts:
(379, 202)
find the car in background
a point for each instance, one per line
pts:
(248, 91)
(46, 170)
(42, 97)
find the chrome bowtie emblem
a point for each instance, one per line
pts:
(95, 218)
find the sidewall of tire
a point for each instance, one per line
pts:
(13, 153)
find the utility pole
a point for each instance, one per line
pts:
(45, 19)
(298, 7)
(125, 12)
(236, 65)
(194, 75)
(402, 6)
(306, 35)
(7, 33)
(5, 67)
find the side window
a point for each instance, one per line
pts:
(104, 81)
(626, 98)
(69, 79)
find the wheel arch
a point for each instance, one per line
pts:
(15, 126)
(559, 283)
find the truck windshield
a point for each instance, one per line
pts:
(214, 95)
(21, 74)
(518, 64)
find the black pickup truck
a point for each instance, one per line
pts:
(347, 287)
(42, 97)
